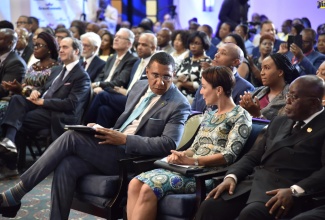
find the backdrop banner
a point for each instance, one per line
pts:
(54, 12)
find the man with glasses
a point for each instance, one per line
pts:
(12, 66)
(288, 160)
(25, 22)
(305, 59)
(22, 47)
(118, 67)
(158, 110)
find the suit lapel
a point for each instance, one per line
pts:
(67, 77)
(284, 139)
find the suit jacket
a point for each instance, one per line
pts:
(133, 71)
(240, 87)
(27, 53)
(121, 75)
(281, 160)
(95, 67)
(161, 128)
(309, 64)
(69, 100)
(13, 67)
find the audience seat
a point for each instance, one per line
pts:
(105, 196)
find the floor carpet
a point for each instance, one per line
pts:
(36, 204)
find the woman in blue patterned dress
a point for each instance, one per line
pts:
(46, 50)
(188, 74)
(221, 137)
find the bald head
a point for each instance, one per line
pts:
(147, 45)
(229, 54)
(163, 37)
(9, 38)
(304, 97)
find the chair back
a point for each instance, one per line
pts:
(191, 128)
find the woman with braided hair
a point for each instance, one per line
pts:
(269, 100)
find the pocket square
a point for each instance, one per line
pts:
(66, 84)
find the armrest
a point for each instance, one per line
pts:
(200, 183)
(144, 165)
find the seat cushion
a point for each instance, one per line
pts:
(185, 204)
(98, 185)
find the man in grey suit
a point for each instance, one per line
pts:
(154, 132)
(289, 159)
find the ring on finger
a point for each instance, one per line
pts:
(282, 207)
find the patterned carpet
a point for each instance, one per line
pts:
(36, 204)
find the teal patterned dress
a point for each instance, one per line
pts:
(34, 78)
(226, 134)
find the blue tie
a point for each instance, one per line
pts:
(136, 112)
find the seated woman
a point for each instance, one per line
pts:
(321, 74)
(46, 50)
(266, 48)
(270, 99)
(106, 47)
(179, 41)
(221, 137)
(188, 75)
(244, 68)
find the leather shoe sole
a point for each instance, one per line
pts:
(10, 211)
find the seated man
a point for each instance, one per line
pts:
(305, 59)
(59, 102)
(164, 36)
(118, 67)
(232, 56)
(12, 66)
(22, 47)
(107, 106)
(91, 62)
(288, 160)
(155, 130)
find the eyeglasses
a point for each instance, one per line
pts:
(120, 38)
(294, 98)
(37, 46)
(163, 78)
(21, 22)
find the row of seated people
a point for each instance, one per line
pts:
(152, 124)
(113, 100)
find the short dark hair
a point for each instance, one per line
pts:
(31, 19)
(76, 44)
(203, 36)
(209, 28)
(220, 76)
(6, 24)
(184, 36)
(162, 58)
(268, 37)
(64, 30)
(266, 22)
(311, 31)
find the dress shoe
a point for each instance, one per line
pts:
(10, 211)
(5, 172)
(7, 144)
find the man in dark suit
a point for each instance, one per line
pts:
(107, 106)
(305, 59)
(91, 62)
(229, 55)
(22, 47)
(267, 27)
(155, 131)
(59, 102)
(118, 67)
(289, 159)
(12, 66)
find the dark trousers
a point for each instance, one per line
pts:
(106, 108)
(72, 155)
(314, 214)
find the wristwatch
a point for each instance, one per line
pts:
(293, 190)
(196, 162)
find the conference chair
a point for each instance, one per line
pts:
(105, 196)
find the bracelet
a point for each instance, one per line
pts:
(196, 162)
